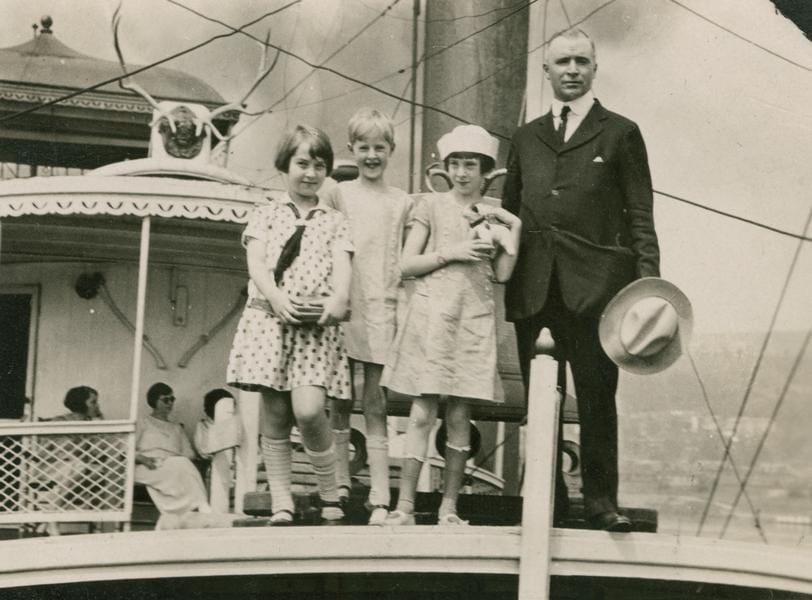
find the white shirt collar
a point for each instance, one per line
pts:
(579, 106)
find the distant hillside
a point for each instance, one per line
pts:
(670, 447)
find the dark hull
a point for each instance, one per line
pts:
(390, 586)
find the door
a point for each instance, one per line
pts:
(16, 350)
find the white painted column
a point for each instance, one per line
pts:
(138, 341)
(248, 452)
(539, 478)
(499, 454)
(141, 295)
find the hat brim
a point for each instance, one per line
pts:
(612, 317)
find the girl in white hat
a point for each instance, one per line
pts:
(445, 351)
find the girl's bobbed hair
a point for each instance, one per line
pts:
(77, 397)
(211, 398)
(320, 147)
(486, 163)
(155, 391)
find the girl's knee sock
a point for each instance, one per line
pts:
(378, 458)
(324, 466)
(409, 473)
(342, 443)
(453, 475)
(278, 459)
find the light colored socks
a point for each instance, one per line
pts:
(453, 475)
(409, 473)
(342, 445)
(278, 458)
(324, 466)
(378, 459)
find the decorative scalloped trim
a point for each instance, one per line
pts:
(91, 100)
(85, 101)
(211, 210)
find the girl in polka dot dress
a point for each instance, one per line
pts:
(288, 345)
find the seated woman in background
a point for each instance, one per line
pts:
(69, 465)
(83, 404)
(163, 458)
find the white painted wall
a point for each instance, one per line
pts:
(81, 342)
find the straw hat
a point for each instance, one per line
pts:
(468, 138)
(646, 326)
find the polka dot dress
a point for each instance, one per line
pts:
(270, 354)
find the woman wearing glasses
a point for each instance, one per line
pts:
(163, 458)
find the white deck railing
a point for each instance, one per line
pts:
(66, 471)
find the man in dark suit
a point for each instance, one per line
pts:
(578, 178)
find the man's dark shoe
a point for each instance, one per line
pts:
(610, 521)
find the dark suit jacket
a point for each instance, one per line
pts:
(586, 210)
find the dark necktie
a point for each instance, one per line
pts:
(562, 125)
(293, 245)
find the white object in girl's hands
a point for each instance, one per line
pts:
(487, 227)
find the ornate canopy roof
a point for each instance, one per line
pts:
(91, 129)
(46, 62)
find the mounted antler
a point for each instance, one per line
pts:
(262, 73)
(131, 86)
(184, 129)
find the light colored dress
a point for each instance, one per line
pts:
(447, 344)
(268, 353)
(72, 464)
(377, 221)
(175, 486)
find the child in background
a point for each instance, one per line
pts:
(446, 347)
(377, 214)
(212, 436)
(299, 254)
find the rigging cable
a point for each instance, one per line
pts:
(291, 40)
(741, 37)
(767, 430)
(96, 86)
(753, 374)
(402, 70)
(289, 91)
(566, 14)
(335, 72)
(344, 76)
(720, 433)
(445, 19)
(500, 69)
(439, 51)
(798, 236)
(337, 51)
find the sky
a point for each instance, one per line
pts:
(727, 124)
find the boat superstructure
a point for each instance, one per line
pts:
(118, 273)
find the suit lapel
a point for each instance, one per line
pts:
(591, 126)
(546, 132)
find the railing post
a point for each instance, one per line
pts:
(140, 309)
(539, 479)
(248, 450)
